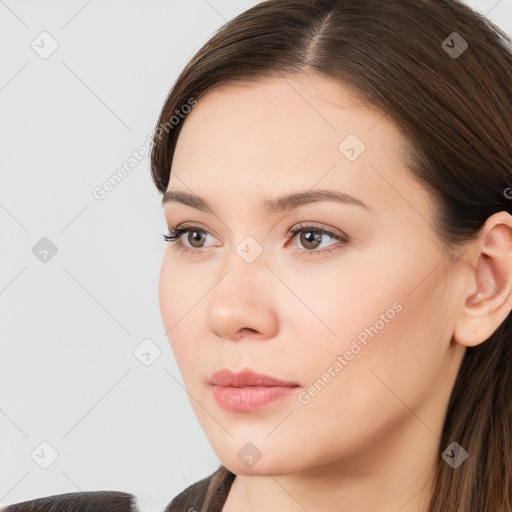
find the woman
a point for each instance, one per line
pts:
(336, 178)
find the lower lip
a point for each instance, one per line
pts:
(249, 398)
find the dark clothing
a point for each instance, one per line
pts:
(87, 501)
(192, 499)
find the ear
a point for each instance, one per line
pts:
(487, 300)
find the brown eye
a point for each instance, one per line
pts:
(310, 239)
(196, 237)
(187, 239)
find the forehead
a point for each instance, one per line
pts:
(267, 138)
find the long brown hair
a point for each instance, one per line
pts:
(453, 102)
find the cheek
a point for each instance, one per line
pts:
(380, 344)
(383, 301)
(179, 289)
(179, 294)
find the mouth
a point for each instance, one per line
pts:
(249, 398)
(247, 391)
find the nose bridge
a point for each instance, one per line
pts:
(242, 297)
(243, 274)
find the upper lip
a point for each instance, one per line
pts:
(246, 377)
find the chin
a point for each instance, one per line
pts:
(258, 457)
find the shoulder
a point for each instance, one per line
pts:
(211, 490)
(193, 497)
(89, 501)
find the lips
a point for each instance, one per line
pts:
(246, 378)
(248, 391)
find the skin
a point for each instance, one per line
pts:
(368, 441)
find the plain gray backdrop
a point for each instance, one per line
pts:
(90, 394)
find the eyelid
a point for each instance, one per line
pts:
(194, 226)
(333, 233)
(319, 226)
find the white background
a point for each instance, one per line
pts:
(69, 326)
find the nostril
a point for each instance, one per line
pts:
(247, 330)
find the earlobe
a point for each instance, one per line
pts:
(488, 302)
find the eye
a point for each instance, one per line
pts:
(310, 237)
(198, 235)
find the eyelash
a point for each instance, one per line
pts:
(174, 236)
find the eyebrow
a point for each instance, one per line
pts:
(279, 205)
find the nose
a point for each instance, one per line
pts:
(243, 302)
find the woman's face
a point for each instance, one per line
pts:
(360, 318)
